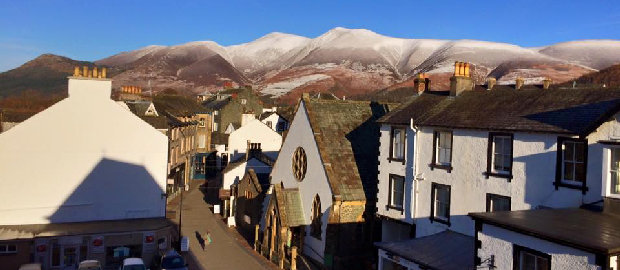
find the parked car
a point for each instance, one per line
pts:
(90, 265)
(30, 266)
(133, 264)
(173, 261)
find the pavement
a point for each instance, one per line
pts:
(228, 250)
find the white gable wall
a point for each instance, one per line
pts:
(256, 132)
(84, 158)
(499, 242)
(315, 182)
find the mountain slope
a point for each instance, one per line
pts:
(342, 61)
(46, 74)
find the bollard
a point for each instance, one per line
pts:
(294, 258)
(256, 237)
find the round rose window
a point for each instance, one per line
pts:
(299, 164)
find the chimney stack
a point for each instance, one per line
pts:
(252, 150)
(491, 83)
(546, 83)
(421, 83)
(461, 80)
(519, 83)
(86, 73)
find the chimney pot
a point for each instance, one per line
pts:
(76, 71)
(519, 83)
(104, 72)
(95, 73)
(84, 71)
(491, 83)
(546, 83)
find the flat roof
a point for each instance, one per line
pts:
(446, 250)
(588, 230)
(15, 232)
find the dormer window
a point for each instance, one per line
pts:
(397, 144)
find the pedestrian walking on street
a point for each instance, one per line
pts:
(207, 238)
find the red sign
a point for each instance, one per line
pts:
(149, 239)
(97, 242)
(41, 248)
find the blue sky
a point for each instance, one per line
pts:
(91, 30)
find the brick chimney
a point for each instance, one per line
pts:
(421, 83)
(461, 80)
(491, 83)
(546, 83)
(519, 83)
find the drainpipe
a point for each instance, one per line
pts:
(414, 195)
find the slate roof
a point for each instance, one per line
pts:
(562, 111)
(215, 104)
(347, 136)
(259, 180)
(138, 107)
(289, 206)
(158, 122)
(446, 250)
(588, 230)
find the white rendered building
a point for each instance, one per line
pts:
(82, 162)
(477, 150)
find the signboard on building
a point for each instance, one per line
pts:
(97, 245)
(184, 244)
(148, 242)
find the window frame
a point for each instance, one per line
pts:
(6, 249)
(559, 170)
(491, 196)
(390, 204)
(433, 218)
(316, 222)
(434, 162)
(608, 170)
(404, 145)
(516, 256)
(491, 156)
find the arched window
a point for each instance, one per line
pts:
(315, 227)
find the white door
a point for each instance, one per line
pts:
(70, 257)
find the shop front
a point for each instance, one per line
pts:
(63, 246)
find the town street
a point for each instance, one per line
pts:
(227, 251)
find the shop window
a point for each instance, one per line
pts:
(8, 249)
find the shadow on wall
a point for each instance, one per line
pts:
(113, 190)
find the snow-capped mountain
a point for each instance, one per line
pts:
(350, 61)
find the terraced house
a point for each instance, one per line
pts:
(445, 154)
(322, 197)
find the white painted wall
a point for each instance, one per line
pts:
(499, 242)
(256, 132)
(534, 166)
(275, 120)
(387, 167)
(85, 158)
(315, 182)
(233, 176)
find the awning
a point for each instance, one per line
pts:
(446, 250)
(13, 232)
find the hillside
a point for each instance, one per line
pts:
(344, 62)
(609, 77)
